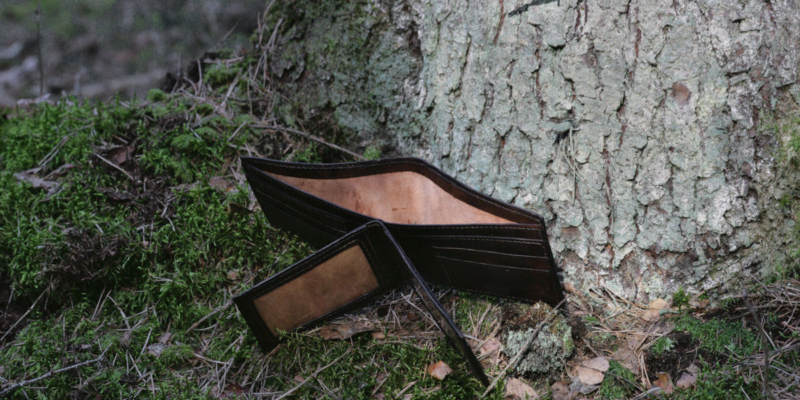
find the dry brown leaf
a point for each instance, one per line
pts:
(597, 363)
(439, 370)
(686, 381)
(516, 389)
(628, 359)
(699, 303)
(378, 335)
(38, 183)
(218, 182)
(119, 155)
(345, 330)
(664, 383)
(156, 349)
(561, 391)
(651, 315)
(569, 287)
(692, 369)
(491, 351)
(491, 346)
(165, 338)
(589, 376)
(658, 304)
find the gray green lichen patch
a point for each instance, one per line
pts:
(551, 347)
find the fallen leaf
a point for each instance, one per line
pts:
(628, 359)
(164, 338)
(118, 155)
(597, 363)
(561, 391)
(692, 369)
(378, 335)
(664, 383)
(490, 351)
(233, 275)
(38, 183)
(686, 381)
(577, 387)
(218, 182)
(589, 376)
(518, 390)
(345, 330)
(651, 315)
(700, 303)
(299, 379)
(156, 349)
(439, 370)
(490, 346)
(569, 287)
(658, 304)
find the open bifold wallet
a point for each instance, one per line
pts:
(381, 224)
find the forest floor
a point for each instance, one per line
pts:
(126, 227)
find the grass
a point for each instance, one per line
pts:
(126, 263)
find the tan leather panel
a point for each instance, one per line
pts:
(397, 197)
(328, 286)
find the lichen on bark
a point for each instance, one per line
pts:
(632, 126)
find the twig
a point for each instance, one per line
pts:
(314, 138)
(22, 317)
(524, 349)
(116, 166)
(209, 315)
(51, 373)
(764, 342)
(310, 377)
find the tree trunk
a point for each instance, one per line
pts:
(634, 127)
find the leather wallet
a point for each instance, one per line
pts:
(379, 221)
(313, 290)
(454, 235)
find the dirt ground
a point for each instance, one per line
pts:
(100, 48)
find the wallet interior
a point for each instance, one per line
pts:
(403, 197)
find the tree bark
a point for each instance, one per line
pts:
(634, 127)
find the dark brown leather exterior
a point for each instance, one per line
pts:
(391, 267)
(506, 260)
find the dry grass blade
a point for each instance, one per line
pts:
(51, 373)
(11, 329)
(310, 377)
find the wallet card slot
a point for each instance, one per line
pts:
(525, 232)
(321, 218)
(541, 262)
(517, 283)
(527, 247)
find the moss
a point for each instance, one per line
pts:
(619, 383)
